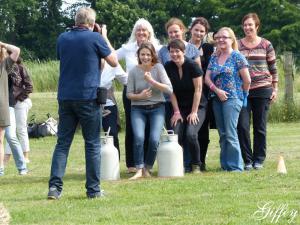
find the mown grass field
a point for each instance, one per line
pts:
(211, 198)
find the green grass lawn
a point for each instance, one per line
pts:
(211, 198)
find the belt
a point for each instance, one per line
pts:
(152, 106)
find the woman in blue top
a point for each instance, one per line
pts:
(176, 30)
(228, 78)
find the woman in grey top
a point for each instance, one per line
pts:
(146, 83)
(6, 63)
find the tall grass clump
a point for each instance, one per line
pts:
(282, 110)
(44, 75)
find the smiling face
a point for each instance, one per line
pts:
(176, 55)
(145, 57)
(142, 34)
(198, 32)
(250, 28)
(224, 40)
(175, 32)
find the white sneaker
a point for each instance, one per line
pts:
(23, 172)
(1, 171)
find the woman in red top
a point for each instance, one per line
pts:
(263, 90)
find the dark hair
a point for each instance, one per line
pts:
(202, 21)
(177, 44)
(214, 35)
(254, 16)
(19, 60)
(151, 48)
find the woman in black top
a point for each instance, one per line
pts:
(186, 79)
(199, 29)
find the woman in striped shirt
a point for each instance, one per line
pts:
(263, 90)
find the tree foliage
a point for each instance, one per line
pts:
(35, 24)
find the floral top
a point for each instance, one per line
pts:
(226, 76)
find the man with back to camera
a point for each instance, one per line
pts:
(80, 51)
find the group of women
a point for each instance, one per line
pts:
(180, 84)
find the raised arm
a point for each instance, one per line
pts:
(111, 59)
(164, 83)
(15, 51)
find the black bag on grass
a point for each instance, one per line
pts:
(47, 128)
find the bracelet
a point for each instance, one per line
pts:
(177, 112)
(152, 82)
(212, 86)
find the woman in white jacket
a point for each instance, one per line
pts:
(141, 32)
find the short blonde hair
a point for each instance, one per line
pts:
(232, 36)
(85, 16)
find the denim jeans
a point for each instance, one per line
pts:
(88, 114)
(226, 115)
(259, 108)
(129, 132)
(139, 118)
(13, 141)
(21, 113)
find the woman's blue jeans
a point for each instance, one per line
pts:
(13, 141)
(226, 115)
(139, 118)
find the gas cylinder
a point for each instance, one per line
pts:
(170, 156)
(110, 166)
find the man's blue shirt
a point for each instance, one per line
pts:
(79, 52)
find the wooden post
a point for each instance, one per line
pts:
(288, 76)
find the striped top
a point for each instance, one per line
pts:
(262, 63)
